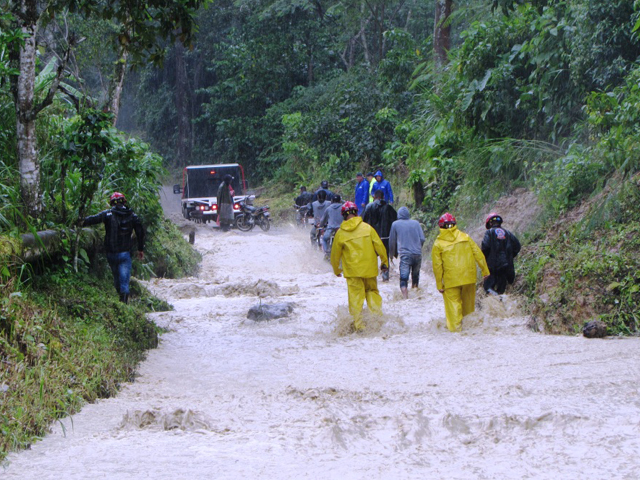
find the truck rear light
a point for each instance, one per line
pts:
(236, 206)
(214, 207)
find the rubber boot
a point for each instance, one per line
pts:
(124, 297)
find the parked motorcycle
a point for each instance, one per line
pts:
(251, 216)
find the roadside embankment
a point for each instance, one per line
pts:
(586, 265)
(65, 339)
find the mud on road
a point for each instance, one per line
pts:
(300, 397)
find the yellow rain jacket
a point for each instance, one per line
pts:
(357, 244)
(454, 256)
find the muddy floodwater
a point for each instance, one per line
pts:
(224, 397)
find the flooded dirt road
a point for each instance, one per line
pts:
(226, 397)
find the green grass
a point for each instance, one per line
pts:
(589, 267)
(65, 341)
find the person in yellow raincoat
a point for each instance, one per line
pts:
(358, 246)
(454, 256)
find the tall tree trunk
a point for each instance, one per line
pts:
(23, 91)
(182, 108)
(117, 83)
(442, 31)
(363, 35)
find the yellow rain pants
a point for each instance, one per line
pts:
(459, 302)
(360, 289)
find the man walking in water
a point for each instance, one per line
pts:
(380, 215)
(454, 256)
(406, 238)
(225, 203)
(500, 247)
(119, 224)
(357, 245)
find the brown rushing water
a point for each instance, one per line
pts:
(225, 397)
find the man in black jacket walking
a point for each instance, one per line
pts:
(119, 223)
(380, 215)
(500, 247)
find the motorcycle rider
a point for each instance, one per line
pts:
(332, 219)
(358, 247)
(301, 202)
(324, 186)
(317, 211)
(500, 247)
(119, 224)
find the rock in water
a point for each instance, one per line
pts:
(264, 312)
(595, 329)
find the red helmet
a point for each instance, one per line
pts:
(117, 197)
(349, 208)
(446, 218)
(492, 217)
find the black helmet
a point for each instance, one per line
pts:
(322, 195)
(227, 179)
(324, 184)
(336, 199)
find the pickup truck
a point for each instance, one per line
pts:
(200, 186)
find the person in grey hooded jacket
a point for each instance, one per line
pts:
(332, 219)
(406, 239)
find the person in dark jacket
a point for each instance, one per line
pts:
(362, 193)
(304, 198)
(385, 186)
(324, 187)
(119, 224)
(225, 203)
(380, 215)
(500, 247)
(302, 202)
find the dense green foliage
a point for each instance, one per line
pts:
(541, 95)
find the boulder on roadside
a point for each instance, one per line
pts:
(264, 312)
(595, 329)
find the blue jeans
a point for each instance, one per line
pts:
(410, 264)
(326, 238)
(120, 264)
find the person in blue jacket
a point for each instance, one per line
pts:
(362, 193)
(383, 185)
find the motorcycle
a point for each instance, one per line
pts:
(302, 219)
(251, 216)
(320, 231)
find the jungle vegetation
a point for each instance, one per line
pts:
(458, 102)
